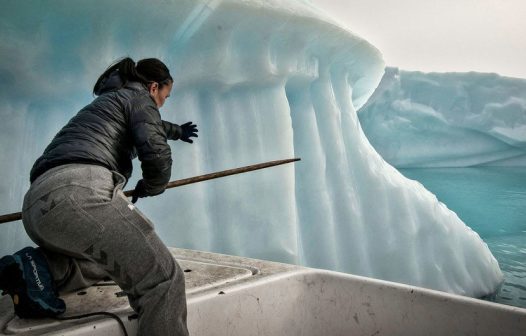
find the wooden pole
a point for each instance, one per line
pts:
(18, 215)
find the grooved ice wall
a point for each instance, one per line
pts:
(264, 80)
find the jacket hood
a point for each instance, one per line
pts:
(110, 83)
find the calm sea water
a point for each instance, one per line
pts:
(492, 201)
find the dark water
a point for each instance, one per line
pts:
(492, 201)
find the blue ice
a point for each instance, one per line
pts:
(417, 119)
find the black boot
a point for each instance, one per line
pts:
(26, 277)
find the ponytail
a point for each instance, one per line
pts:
(146, 71)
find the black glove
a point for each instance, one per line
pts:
(139, 191)
(188, 130)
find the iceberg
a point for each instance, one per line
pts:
(417, 119)
(264, 80)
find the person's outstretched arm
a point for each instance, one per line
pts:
(150, 140)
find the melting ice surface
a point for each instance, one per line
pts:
(264, 80)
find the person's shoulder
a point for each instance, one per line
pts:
(135, 86)
(140, 101)
(134, 91)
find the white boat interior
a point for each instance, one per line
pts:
(229, 295)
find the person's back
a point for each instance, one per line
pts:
(100, 133)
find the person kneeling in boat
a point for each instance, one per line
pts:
(76, 212)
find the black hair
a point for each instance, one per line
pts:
(146, 71)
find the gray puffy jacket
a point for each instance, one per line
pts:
(120, 124)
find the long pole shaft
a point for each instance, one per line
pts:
(18, 215)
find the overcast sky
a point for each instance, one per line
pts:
(440, 35)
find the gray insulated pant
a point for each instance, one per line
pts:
(79, 216)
